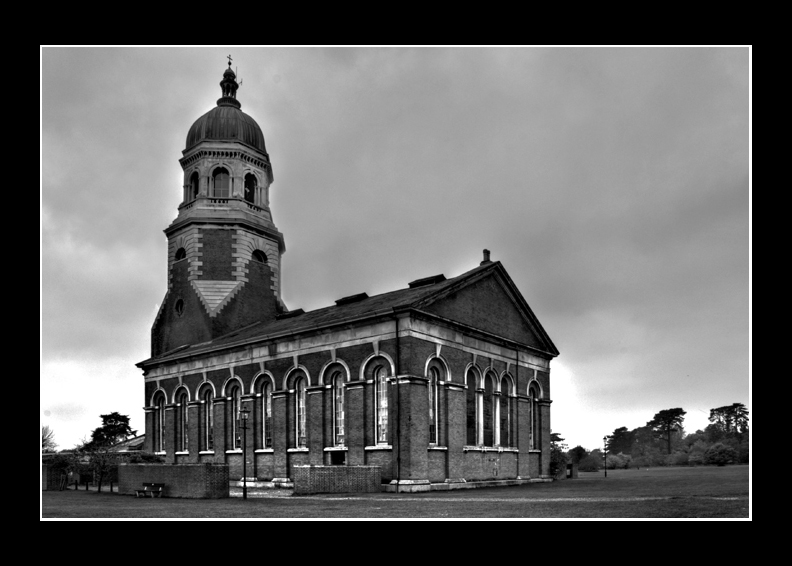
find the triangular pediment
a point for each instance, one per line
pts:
(489, 301)
(215, 294)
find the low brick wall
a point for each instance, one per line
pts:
(336, 479)
(194, 481)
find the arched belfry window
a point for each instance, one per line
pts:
(221, 183)
(258, 255)
(181, 253)
(193, 186)
(250, 188)
(471, 395)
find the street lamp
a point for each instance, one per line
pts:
(605, 452)
(244, 415)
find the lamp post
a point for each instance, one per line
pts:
(605, 453)
(244, 414)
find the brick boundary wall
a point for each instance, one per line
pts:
(336, 479)
(192, 481)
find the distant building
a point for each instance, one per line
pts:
(445, 380)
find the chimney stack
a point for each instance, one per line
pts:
(486, 257)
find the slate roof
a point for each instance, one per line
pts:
(420, 292)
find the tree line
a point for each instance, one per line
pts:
(664, 442)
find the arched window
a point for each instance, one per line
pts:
(159, 422)
(194, 186)
(299, 412)
(221, 183)
(266, 414)
(505, 412)
(338, 409)
(533, 394)
(182, 422)
(471, 381)
(489, 411)
(250, 188)
(381, 403)
(207, 422)
(234, 398)
(181, 253)
(258, 255)
(434, 377)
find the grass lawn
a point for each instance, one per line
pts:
(701, 492)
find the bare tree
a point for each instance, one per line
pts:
(47, 439)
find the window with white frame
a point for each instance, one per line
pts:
(488, 419)
(266, 414)
(207, 421)
(434, 378)
(234, 399)
(533, 394)
(182, 436)
(300, 420)
(471, 401)
(338, 409)
(505, 412)
(381, 403)
(159, 422)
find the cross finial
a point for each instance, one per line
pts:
(229, 60)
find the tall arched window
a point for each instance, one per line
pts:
(182, 428)
(339, 437)
(489, 411)
(234, 398)
(434, 377)
(207, 422)
(471, 381)
(193, 186)
(159, 422)
(266, 414)
(221, 183)
(381, 403)
(299, 401)
(505, 412)
(250, 188)
(533, 394)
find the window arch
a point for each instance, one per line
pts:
(488, 402)
(159, 422)
(207, 418)
(299, 412)
(471, 397)
(250, 188)
(193, 186)
(234, 397)
(258, 255)
(221, 183)
(182, 421)
(181, 253)
(505, 412)
(435, 375)
(264, 411)
(381, 403)
(533, 394)
(339, 436)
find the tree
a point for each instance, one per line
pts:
(47, 439)
(558, 457)
(621, 441)
(577, 454)
(720, 454)
(731, 419)
(666, 423)
(115, 428)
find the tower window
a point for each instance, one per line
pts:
(179, 307)
(180, 254)
(194, 186)
(250, 188)
(258, 255)
(222, 183)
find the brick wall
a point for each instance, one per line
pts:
(195, 481)
(336, 479)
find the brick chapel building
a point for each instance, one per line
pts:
(446, 380)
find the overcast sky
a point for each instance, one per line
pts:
(613, 184)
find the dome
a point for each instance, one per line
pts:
(226, 123)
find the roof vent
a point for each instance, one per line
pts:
(427, 281)
(289, 314)
(351, 299)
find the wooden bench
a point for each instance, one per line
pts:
(150, 489)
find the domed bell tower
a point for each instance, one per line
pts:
(224, 251)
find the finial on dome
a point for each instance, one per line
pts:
(229, 88)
